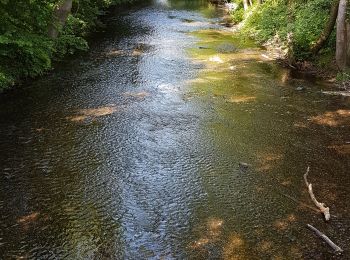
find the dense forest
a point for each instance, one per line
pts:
(34, 33)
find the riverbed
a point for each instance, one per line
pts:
(172, 138)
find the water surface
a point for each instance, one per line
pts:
(172, 138)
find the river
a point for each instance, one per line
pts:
(172, 138)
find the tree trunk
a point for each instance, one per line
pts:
(347, 25)
(260, 2)
(290, 53)
(341, 45)
(60, 16)
(250, 2)
(327, 30)
(245, 4)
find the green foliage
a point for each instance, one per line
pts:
(25, 48)
(69, 44)
(5, 79)
(238, 16)
(310, 19)
(304, 20)
(343, 76)
(325, 58)
(71, 38)
(268, 20)
(29, 53)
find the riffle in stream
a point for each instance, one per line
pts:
(172, 138)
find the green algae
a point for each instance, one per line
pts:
(228, 72)
(216, 37)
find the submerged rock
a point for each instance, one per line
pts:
(301, 88)
(226, 48)
(243, 166)
(185, 20)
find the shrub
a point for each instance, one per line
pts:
(238, 16)
(305, 20)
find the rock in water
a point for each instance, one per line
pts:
(301, 88)
(226, 48)
(243, 166)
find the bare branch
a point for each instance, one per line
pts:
(336, 248)
(321, 206)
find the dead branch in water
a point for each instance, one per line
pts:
(300, 203)
(321, 206)
(336, 248)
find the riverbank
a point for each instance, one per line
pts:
(28, 51)
(288, 32)
(321, 68)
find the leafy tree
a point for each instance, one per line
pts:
(34, 32)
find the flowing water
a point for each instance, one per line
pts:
(172, 138)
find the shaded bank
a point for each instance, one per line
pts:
(34, 34)
(303, 33)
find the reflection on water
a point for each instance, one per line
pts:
(171, 139)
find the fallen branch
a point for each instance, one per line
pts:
(300, 203)
(321, 206)
(339, 93)
(336, 248)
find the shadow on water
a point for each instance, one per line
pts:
(172, 138)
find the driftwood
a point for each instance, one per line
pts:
(336, 248)
(321, 206)
(339, 93)
(302, 204)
